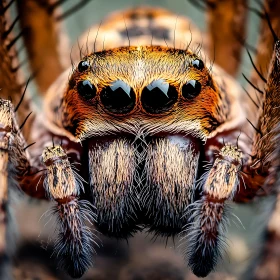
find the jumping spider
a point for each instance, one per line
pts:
(144, 132)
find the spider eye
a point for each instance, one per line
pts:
(158, 96)
(86, 89)
(191, 89)
(118, 98)
(198, 64)
(83, 66)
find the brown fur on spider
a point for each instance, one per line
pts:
(137, 122)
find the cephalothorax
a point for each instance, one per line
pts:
(143, 135)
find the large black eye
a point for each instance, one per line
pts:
(191, 89)
(198, 64)
(83, 66)
(86, 89)
(158, 97)
(118, 98)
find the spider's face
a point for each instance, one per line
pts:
(142, 115)
(142, 90)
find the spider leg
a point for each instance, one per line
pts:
(44, 38)
(44, 49)
(265, 165)
(269, 29)
(227, 31)
(74, 246)
(25, 172)
(259, 171)
(269, 22)
(208, 218)
(11, 79)
(62, 184)
(6, 183)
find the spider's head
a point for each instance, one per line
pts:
(142, 114)
(142, 89)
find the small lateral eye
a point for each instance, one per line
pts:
(191, 89)
(83, 65)
(198, 64)
(86, 89)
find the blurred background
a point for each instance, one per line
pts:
(140, 258)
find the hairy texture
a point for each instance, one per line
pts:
(7, 184)
(269, 30)
(223, 178)
(148, 181)
(5, 117)
(267, 40)
(4, 197)
(112, 167)
(264, 158)
(61, 181)
(74, 247)
(268, 266)
(152, 183)
(208, 221)
(214, 108)
(206, 236)
(14, 141)
(19, 159)
(11, 80)
(170, 173)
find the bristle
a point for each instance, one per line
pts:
(25, 120)
(205, 237)
(255, 87)
(275, 37)
(9, 30)
(74, 247)
(169, 184)
(207, 218)
(112, 172)
(14, 40)
(255, 67)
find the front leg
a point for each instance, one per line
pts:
(15, 155)
(74, 246)
(6, 184)
(54, 179)
(266, 158)
(265, 154)
(235, 175)
(208, 215)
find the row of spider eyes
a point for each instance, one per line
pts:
(157, 97)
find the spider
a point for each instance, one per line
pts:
(143, 130)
